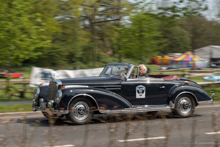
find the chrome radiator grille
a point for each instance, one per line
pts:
(52, 91)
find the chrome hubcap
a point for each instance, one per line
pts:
(185, 105)
(80, 110)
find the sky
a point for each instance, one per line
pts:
(213, 5)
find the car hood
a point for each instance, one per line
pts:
(90, 81)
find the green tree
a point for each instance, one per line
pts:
(169, 13)
(181, 8)
(68, 46)
(140, 36)
(98, 18)
(202, 32)
(19, 34)
(63, 24)
(178, 40)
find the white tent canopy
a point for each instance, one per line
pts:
(207, 52)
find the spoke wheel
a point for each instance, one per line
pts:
(80, 111)
(184, 106)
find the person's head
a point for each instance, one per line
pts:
(127, 68)
(142, 69)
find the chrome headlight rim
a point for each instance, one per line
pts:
(36, 92)
(58, 96)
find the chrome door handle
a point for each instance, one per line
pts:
(162, 87)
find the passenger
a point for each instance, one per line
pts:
(142, 71)
(126, 71)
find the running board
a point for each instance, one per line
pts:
(136, 109)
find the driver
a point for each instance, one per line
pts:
(142, 70)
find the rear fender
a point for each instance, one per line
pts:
(103, 99)
(197, 93)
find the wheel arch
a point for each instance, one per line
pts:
(91, 99)
(189, 93)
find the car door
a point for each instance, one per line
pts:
(157, 91)
(145, 91)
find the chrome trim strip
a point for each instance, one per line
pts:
(82, 95)
(147, 81)
(208, 102)
(75, 86)
(185, 92)
(110, 86)
(106, 86)
(113, 88)
(147, 106)
(135, 110)
(110, 83)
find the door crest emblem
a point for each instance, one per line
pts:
(140, 91)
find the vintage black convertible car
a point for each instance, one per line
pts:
(118, 89)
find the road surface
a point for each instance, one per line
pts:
(35, 130)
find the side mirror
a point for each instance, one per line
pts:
(125, 78)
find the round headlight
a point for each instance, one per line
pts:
(36, 93)
(58, 96)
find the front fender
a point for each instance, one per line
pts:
(104, 99)
(198, 94)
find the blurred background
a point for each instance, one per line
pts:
(179, 36)
(63, 34)
(79, 37)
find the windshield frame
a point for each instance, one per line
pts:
(116, 64)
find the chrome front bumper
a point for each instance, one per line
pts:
(47, 106)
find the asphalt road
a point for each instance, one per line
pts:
(35, 131)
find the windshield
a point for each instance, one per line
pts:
(115, 71)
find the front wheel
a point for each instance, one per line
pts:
(184, 106)
(80, 111)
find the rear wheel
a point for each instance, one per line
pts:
(80, 111)
(184, 106)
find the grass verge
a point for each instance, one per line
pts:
(214, 90)
(15, 108)
(15, 99)
(196, 79)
